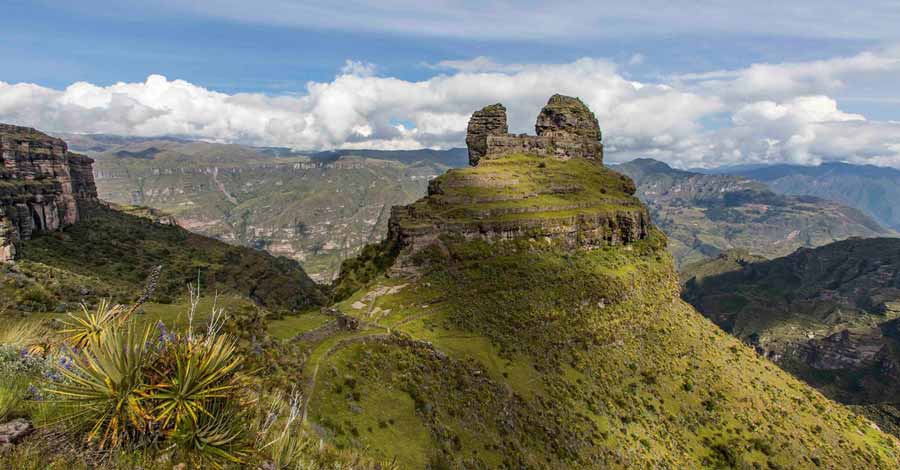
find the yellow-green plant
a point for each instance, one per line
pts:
(12, 393)
(218, 435)
(20, 333)
(130, 388)
(86, 327)
(107, 385)
(198, 372)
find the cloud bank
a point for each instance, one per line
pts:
(763, 113)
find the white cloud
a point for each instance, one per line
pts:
(766, 112)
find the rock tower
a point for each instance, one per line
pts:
(43, 186)
(548, 189)
(565, 129)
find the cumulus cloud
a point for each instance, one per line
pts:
(764, 113)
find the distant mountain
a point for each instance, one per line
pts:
(318, 208)
(875, 190)
(830, 315)
(705, 215)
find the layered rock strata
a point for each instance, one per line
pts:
(550, 188)
(565, 128)
(43, 186)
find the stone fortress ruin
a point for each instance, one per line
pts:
(565, 128)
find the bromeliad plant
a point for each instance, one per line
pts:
(132, 388)
(86, 327)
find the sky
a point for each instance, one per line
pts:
(699, 83)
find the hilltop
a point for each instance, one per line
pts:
(525, 314)
(705, 215)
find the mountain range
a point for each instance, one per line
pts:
(873, 189)
(320, 208)
(705, 215)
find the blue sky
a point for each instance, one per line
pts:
(269, 51)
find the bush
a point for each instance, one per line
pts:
(132, 389)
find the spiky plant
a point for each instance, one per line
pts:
(86, 327)
(193, 373)
(106, 385)
(20, 333)
(218, 436)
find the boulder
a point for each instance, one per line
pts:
(13, 431)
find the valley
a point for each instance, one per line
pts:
(317, 211)
(705, 215)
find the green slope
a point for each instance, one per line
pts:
(111, 253)
(521, 353)
(830, 315)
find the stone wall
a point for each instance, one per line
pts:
(565, 128)
(43, 186)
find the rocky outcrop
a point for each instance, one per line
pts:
(43, 186)
(565, 129)
(550, 189)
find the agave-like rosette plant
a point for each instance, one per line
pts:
(220, 435)
(107, 385)
(200, 372)
(87, 327)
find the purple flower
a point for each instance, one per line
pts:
(34, 393)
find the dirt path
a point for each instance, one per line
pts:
(215, 177)
(311, 384)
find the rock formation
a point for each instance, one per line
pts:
(516, 191)
(43, 186)
(565, 128)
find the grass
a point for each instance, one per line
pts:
(113, 253)
(620, 372)
(293, 325)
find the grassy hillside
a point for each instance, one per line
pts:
(829, 315)
(518, 354)
(111, 253)
(705, 215)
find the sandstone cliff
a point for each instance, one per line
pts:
(42, 185)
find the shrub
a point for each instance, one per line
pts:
(85, 328)
(131, 389)
(107, 385)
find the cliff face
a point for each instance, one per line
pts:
(551, 188)
(43, 186)
(565, 129)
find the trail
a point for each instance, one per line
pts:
(215, 177)
(311, 385)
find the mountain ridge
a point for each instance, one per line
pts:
(705, 215)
